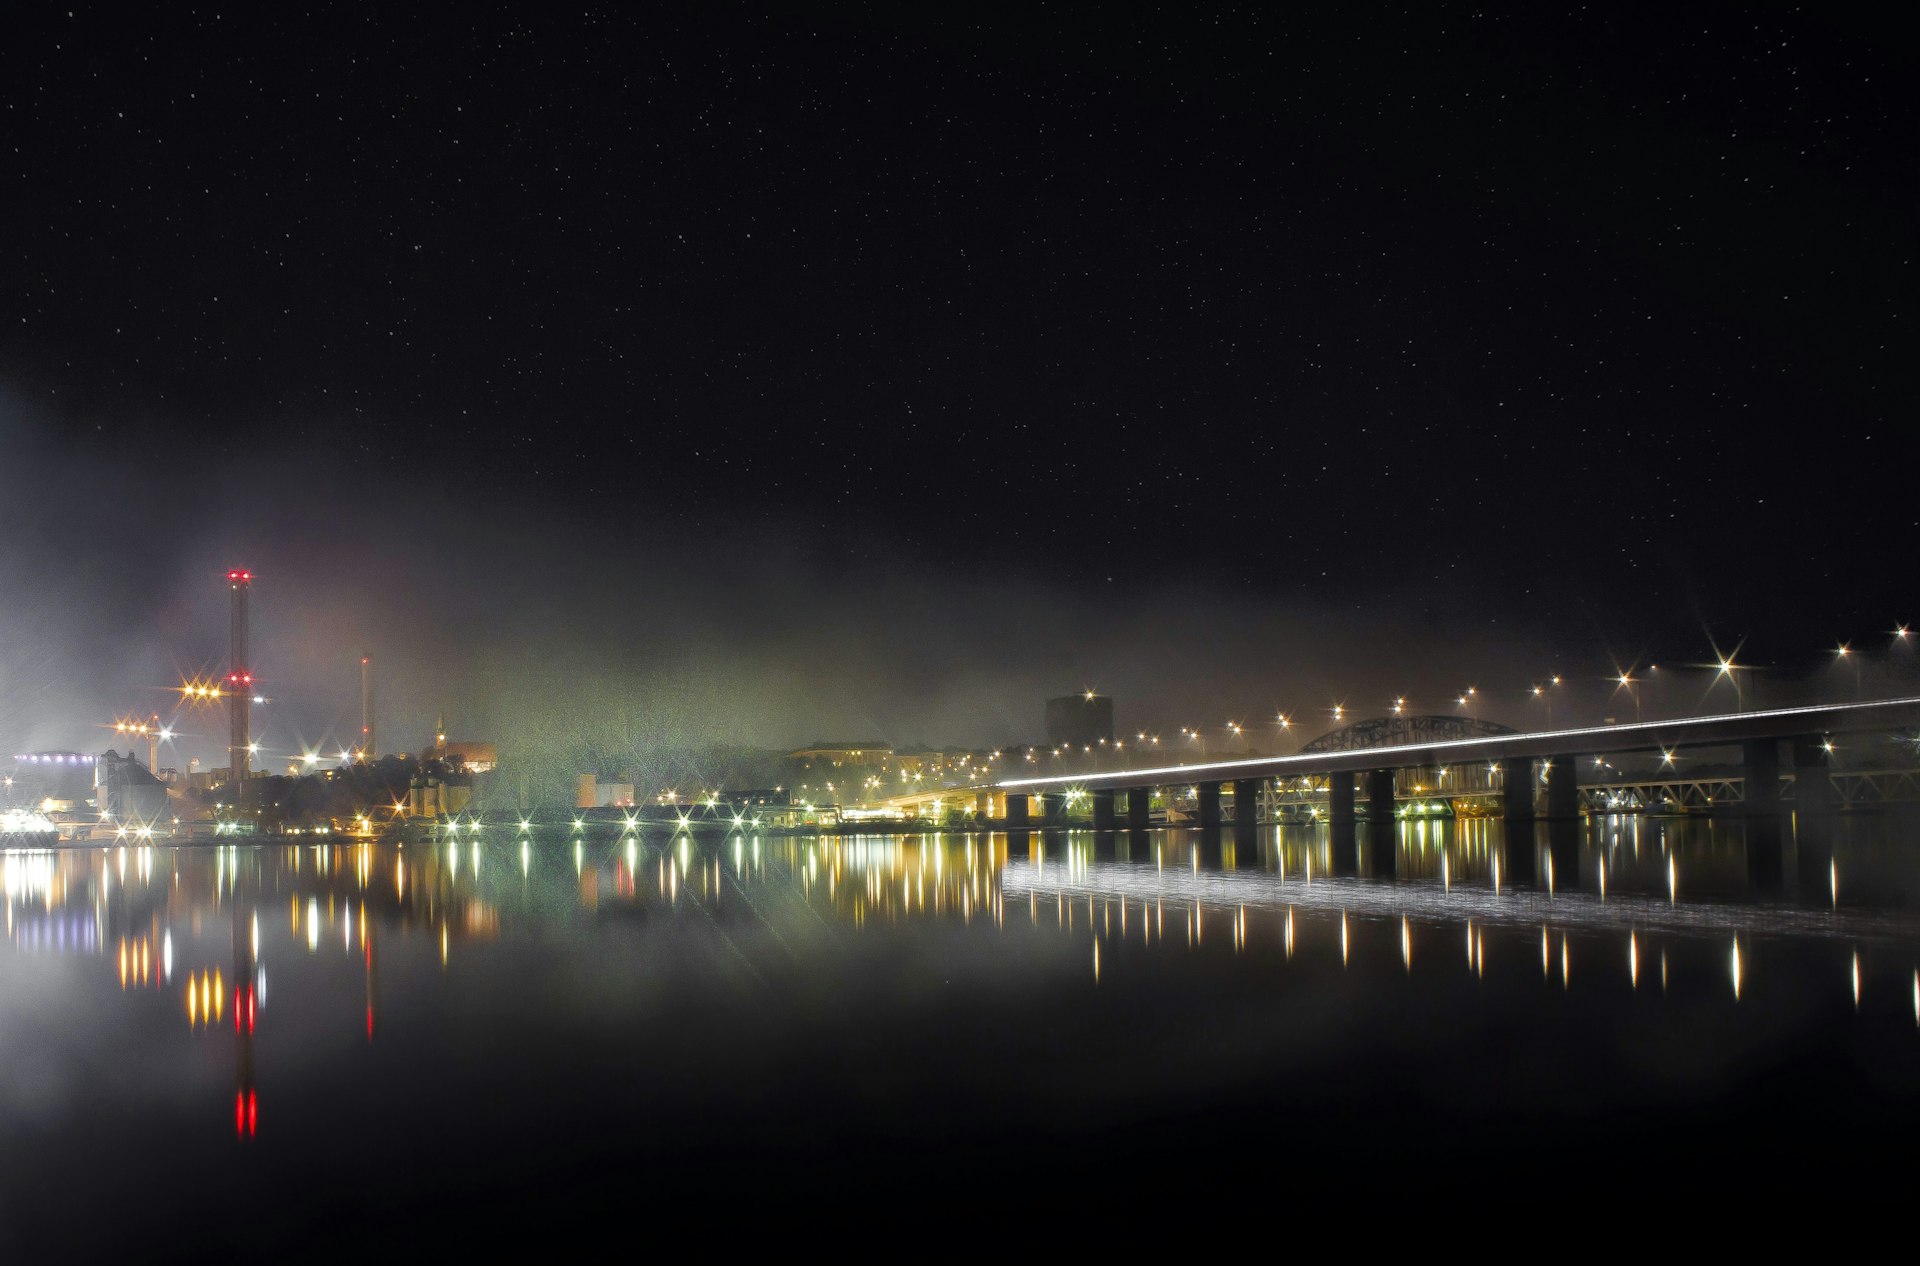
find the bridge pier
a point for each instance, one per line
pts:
(1207, 794)
(1812, 775)
(1563, 787)
(1516, 789)
(1340, 800)
(1018, 806)
(1760, 762)
(1246, 807)
(1103, 816)
(1380, 794)
(1381, 853)
(1139, 808)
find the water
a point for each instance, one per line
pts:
(543, 1039)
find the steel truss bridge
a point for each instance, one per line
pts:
(1851, 789)
(1398, 731)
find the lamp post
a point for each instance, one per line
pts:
(1731, 671)
(1844, 652)
(1627, 683)
(1544, 693)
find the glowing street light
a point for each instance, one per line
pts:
(1731, 671)
(1544, 693)
(1625, 682)
(1844, 652)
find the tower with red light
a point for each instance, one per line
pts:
(366, 708)
(239, 678)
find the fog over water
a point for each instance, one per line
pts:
(624, 622)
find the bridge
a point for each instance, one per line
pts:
(1516, 766)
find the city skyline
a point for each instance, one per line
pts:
(1291, 360)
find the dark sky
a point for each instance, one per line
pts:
(887, 371)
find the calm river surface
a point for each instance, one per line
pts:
(542, 1039)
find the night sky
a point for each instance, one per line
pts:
(773, 376)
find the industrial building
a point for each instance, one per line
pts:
(471, 758)
(125, 791)
(591, 793)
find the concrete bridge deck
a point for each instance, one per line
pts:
(1517, 758)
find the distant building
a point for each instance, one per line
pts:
(52, 781)
(474, 758)
(125, 791)
(471, 758)
(591, 793)
(429, 797)
(1080, 720)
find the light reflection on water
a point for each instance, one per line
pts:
(227, 979)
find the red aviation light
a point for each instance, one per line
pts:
(244, 1009)
(239, 574)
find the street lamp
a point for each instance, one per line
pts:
(1730, 671)
(1545, 695)
(1626, 683)
(1844, 652)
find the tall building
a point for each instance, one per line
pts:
(1080, 720)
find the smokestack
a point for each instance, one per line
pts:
(366, 708)
(239, 678)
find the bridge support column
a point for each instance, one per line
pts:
(1017, 808)
(1246, 807)
(1103, 810)
(1340, 799)
(1812, 775)
(1139, 807)
(1380, 794)
(1516, 789)
(1208, 796)
(1340, 833)
(1382, 850)
(1760, 763)
(1563, 787)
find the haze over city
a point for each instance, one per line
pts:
(796, 621)
(1489, 379)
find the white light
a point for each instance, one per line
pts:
(1318, 762)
